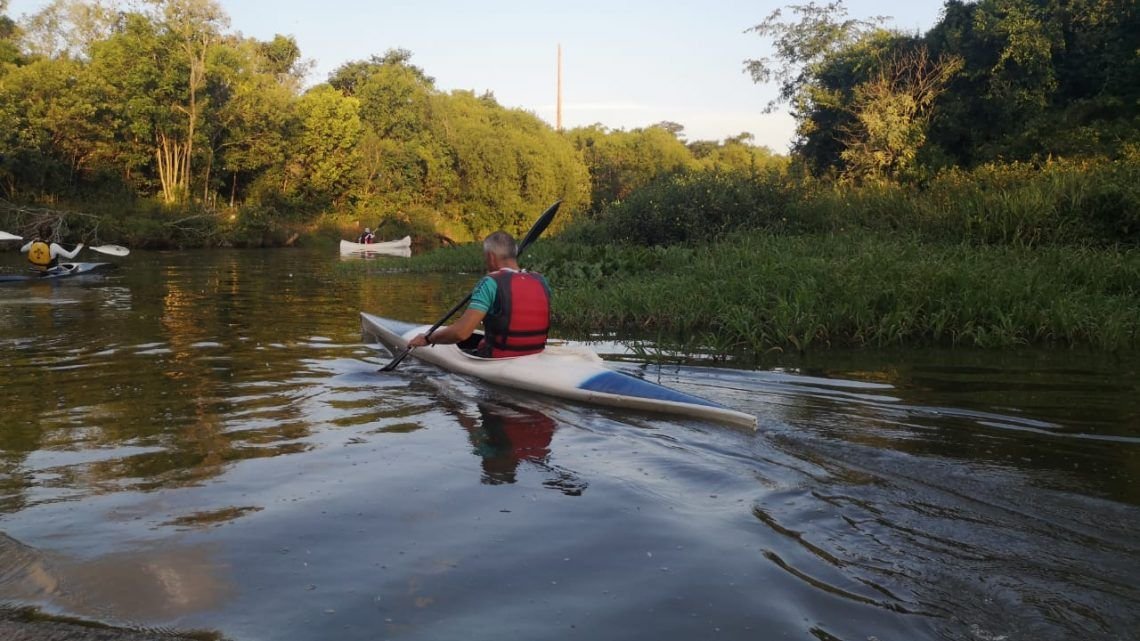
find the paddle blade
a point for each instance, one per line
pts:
(6, 236)
(112, 250)
(396, 361)
(540, 226)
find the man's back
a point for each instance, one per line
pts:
(517, 308)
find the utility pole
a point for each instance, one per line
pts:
(559, 108)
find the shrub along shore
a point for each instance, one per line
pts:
(744, 263)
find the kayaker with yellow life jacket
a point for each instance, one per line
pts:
(44, 255)
(513, 306)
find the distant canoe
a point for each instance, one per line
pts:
(404, 243)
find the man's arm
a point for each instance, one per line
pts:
(26, 247)
(57, 251)
(455, 332)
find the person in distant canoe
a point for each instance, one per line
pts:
(513, 305)
(367, 238)
(44, 255)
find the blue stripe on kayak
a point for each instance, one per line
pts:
(625, 385)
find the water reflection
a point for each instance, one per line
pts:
(1069, 427)
(379, 253)
(507, 436)
(900, 497)
(143, 585)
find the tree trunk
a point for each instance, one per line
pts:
(171, 161)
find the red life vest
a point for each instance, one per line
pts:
(523, 321)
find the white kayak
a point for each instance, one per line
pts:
(62, 270)
(574, 373)
(404, 243)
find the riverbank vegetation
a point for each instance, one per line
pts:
(978, 184)
(826, 280)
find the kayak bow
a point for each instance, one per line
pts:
(574, 373)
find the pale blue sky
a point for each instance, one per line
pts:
(625, 64)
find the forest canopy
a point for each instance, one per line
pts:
(157, 109)
(161, 102)
(992, 81)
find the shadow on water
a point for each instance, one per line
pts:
(201, 441)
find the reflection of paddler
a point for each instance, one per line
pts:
(506, 437)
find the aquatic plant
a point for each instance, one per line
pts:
(761, 291)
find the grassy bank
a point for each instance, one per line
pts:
(1029, 205)
(760, 291)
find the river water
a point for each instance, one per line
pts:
(201, 441)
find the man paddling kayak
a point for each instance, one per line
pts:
(513, 305)
(44, 255)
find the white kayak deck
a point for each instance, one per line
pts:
(570, 372)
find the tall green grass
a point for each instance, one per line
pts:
(760, 291)
(1054, 203)
(999, 256)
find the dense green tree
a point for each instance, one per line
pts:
(402, 154)
(138, 89)
(324, 159)
(56, 132)
(256, 92)
(993, 80)
(465, 162)
(891, 111)
(1039, 77)
(821, 55)
(735, 154)
(509, 164)
(622, 161)
(191, 29)
(549, 168)
(155, 68)
(281, 56)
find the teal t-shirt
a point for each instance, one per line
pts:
(483, 296)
